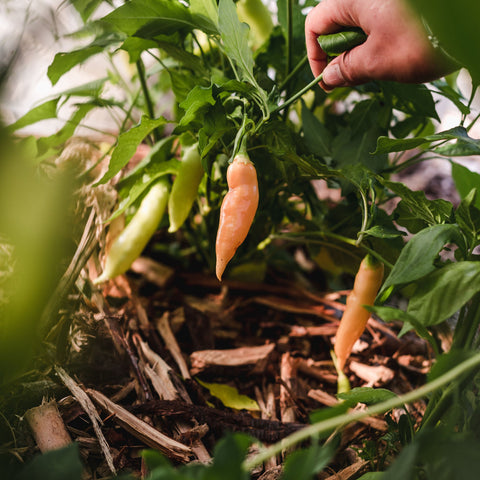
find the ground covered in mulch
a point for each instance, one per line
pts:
(157, 348)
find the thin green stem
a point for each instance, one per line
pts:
(292, 74)
(289, 39)
(364, 218)
(146, 94)
(297, 95)
(351, 417)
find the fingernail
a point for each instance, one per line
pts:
(332, 76)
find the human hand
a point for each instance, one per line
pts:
(397, 47)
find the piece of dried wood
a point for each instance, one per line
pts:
(288, 372)
(349, 472)
(163, 327)
(294, 306)
(374, 375)
(233, 357)
(47, 426)
(327, 330)
(323, 374)
(160, 375)
(142, 430)
(89, 408)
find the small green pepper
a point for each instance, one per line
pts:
(185, 187)
(128, 246)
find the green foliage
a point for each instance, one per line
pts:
(203, 83)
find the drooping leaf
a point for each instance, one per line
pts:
(197, 99)
(86, 7)
(235, 38)
(230, 396)
(128, 143)
(430, 211)
(391, 314)
(411, 98)
(417, 257)
(443, 292)
(147, 19)
(65, 61)
(467, 216)
(465, 180)
(367, 395)
(43, 111)
(62, 135)
(387, 145)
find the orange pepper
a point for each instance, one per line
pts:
(237, 211)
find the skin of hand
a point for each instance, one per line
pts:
(397, 47)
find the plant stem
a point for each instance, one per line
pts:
(289, 36)
(146, 94)
(297, 95)
(379, 408)
(292, 74)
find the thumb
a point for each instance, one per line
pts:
(349, 68)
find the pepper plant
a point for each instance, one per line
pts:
(230, 83)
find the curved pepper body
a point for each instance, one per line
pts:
(128, 246)
(185, 188)
(237, 211)
(354, 320)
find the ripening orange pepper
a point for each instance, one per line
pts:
(237, 211)
(354, 320)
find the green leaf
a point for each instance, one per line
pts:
(387, 145)
(430, 211)
(367, 395)
(235, 38)
(147, 19)
(54, 465)
(207, 9)
(465, 180)
(62, 135)
(381, 231)
(132, 189)
(417, 257)
(154, 459)
(230, 396)
(453, 95)
(135, 46)
(228, 456)
(411, 98)
(461, 148)
(306, 463)
(372, 476)
(336, 43)
(127, 145)
(86, 7)
(43, 111)
(65, 61)
(197, 99)
(443, 292)
(317, 137)
(467, 216)
(390, 314)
